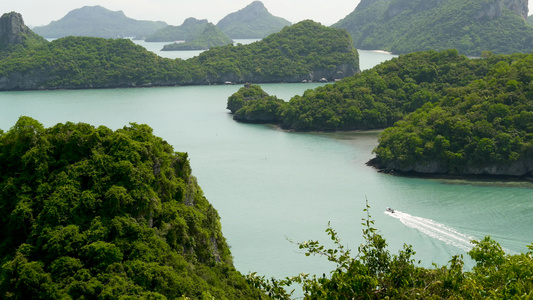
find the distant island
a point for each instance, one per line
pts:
(304, 51)
(471, 27)
(252, 22)
(210, 37)
(444, 113)
(97, 21)
(187, 31)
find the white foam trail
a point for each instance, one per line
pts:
(435, 230)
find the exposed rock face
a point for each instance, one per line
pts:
(24, 81)
(520, 7)
(14, 32)
(494, 9)
(11, 28)
(521, 168)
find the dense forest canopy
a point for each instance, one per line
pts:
(377, 98)
(462, 104)
(301, 52)
(294, 54)
(485, 127)
(92, 213)
(471, 27)
(253, 105)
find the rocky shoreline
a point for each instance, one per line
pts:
(495, 172)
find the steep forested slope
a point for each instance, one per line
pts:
(303, 51)
(91, 213)
(379, 97)
(404, 26)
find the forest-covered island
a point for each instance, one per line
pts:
(444, 113)
(209, 37)
(304, 51)
(93, 213)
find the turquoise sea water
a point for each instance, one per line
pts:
(270, 186)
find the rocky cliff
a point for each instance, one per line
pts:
(13, 32)
(522, 168)
(495, 9)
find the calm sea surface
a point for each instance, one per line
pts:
(271, 186)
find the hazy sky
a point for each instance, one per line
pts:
(174, 12)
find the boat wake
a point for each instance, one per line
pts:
(435, 230)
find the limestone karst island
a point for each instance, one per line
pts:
(204, 159)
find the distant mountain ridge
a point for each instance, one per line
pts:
(97, 21)
(471, 27)
(253, 21)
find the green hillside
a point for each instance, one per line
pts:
(92, 213)
(301, 52)
(484, 128)
(383, 95)
(444, 113)
(404, 26)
